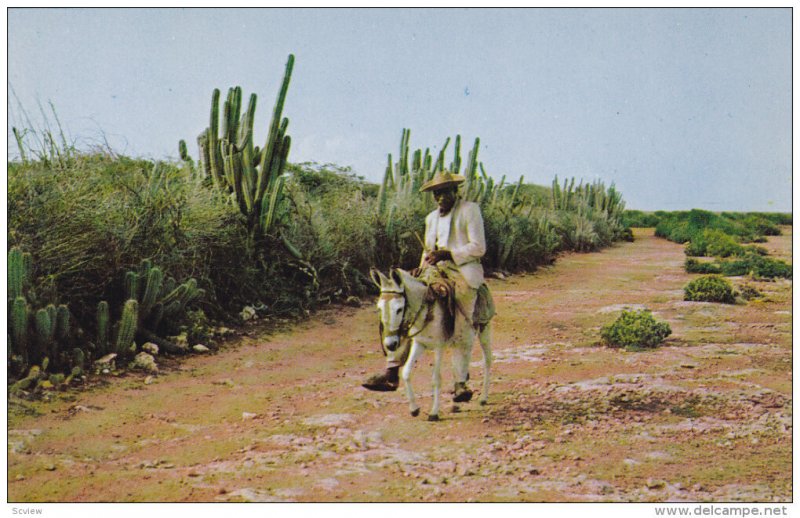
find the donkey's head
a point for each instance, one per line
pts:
(392, 307)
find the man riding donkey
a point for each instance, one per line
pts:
(451, 261)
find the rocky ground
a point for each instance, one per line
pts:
(282, 416)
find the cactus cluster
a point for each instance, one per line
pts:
(402, 180)
(589, 215)
(590, 197)
(35, 334)
(150, 300)
(252, 176)
(38, 377)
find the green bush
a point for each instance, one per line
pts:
(758, 266)
(768, 268)
(713, 242)
(639, 219)
(519, 243)
(709, 288)
(335, 227)
(635, 329)
(627, 235)
(685, 226)
(749, 292)
(692, 265)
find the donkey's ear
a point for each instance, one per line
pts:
(400, 276)
(379, 279)
(397, 276)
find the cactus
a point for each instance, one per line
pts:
(62, 322)
(175, 295)
(152, 287)
(19, 326)
(127, 327)
(131, 285)
(168, 285)
(45, 330)
(34, 374)
(78, 361)
(183, 151)
(155, 316)
(18, 272)
(44, 325)
(102, 327)
(144, 268)
(252, 175)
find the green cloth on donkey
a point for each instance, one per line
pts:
(442, 279)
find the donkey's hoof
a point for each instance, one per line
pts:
(415, 412)
(456, 409)
(433, 417)
(483, 402)
(462, 395)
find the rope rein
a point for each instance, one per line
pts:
(405, 326)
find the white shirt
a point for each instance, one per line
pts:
(443, 230)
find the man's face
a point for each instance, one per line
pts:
(446, 198)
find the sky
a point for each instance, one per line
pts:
(679, 108)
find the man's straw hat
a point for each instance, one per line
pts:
(441, 180)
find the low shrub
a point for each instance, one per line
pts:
(627, 235)
(751, 263)
(709, 288)
(685, 226)
(635, 329)
(518, 243)
(640, 219)
(713, 242)
(758, 266)
(692, 265)
(767, 268)
(749, 292)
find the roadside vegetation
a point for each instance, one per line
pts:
(729, 240)
(107, 253)
(635, 330)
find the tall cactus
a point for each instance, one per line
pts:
(18, 272)
(127, 327)
(253, 176)
(152, 287)
(131, 285)
(103, 327)
(62, 322)
(45, 330)
(19, 326)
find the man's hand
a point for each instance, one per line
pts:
(438, 255)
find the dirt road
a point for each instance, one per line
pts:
(706, 417)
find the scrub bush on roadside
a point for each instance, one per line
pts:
(709, 288)
(635, 329)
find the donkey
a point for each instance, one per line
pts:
(406, 314)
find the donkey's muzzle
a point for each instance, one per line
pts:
(391, 343)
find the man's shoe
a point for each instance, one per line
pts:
(462, 394)
(385, 382)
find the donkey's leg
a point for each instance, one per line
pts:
(485, 337)
(416, 351)
(437, 383)
(462, 353)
